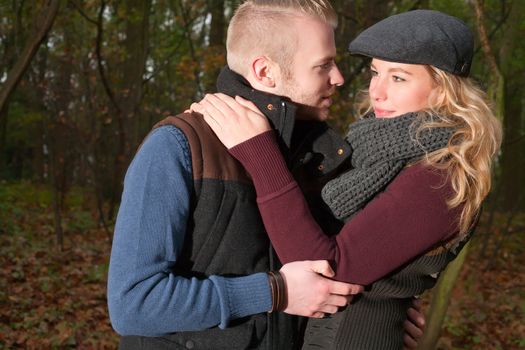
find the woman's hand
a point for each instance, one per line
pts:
(233, 120)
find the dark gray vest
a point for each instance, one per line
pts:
(225, 236)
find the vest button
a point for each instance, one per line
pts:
(320, 167)
(190, 344)
(340, 151)
(270, 107)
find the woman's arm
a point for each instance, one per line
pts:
(405, 220)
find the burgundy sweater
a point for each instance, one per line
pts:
(407, 219)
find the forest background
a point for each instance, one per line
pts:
(82, 82)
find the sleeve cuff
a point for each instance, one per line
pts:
(247, 295)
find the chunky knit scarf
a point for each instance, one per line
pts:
(381, 148)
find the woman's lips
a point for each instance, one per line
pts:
(382, 112)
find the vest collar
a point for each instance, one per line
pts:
(279, 111)
(325, 149)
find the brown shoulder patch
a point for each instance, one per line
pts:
(209, 158)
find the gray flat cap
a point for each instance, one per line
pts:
(419, 37)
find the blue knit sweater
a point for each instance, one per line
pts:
(145, 297)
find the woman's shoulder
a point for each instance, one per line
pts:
(423, 179)
(425, 172)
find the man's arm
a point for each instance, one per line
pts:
(145, 297)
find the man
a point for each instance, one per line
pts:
(190, 256)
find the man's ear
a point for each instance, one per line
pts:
(264, 71)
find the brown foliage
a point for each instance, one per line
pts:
(487, 308)
(54, 299)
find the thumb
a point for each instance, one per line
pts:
(322, 267)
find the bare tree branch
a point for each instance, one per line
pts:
(82, 13)
(41, 27)
(483, 37)
(98, 52)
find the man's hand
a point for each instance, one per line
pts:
(414, 325)
(312, 295)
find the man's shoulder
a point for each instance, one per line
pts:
(185, 121)
(210, 159)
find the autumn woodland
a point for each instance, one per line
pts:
(83, 81)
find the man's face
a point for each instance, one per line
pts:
(313, 74)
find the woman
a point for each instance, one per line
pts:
(422, 156)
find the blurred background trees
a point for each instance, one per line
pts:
(83, 81)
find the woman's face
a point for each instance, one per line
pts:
(399, 88)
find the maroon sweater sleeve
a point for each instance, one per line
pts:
(400, 223)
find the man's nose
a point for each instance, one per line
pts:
(336, 78)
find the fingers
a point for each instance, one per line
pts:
(414, 325)
(195, 107)
(323, 268)
(248, 104)
(218, 107)
(409, 342)
(356, 289)
(412, 330)
(416, 317)
(417, 303)
(342, 288)
(337, 301)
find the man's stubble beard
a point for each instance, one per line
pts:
(305, 111)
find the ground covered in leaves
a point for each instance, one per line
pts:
(56, 299)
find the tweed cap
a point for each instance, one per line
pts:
(419, 37)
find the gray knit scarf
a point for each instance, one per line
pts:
(381, 147)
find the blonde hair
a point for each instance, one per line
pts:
(460, 104)
(265, 28)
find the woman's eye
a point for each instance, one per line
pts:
(398, 79)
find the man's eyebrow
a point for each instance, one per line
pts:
(325, 59)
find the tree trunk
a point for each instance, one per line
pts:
(440, 300)
(513, 162)
(3, 133)
(59, 233)
(216, 44)
(41, 27)
(129, 93)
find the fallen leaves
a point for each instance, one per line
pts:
(51, 299)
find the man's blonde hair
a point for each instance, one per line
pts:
(266, 28)
(460, 104)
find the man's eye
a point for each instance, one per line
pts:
(327, 65)
(373, 73)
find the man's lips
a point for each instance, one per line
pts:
(327, 101)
